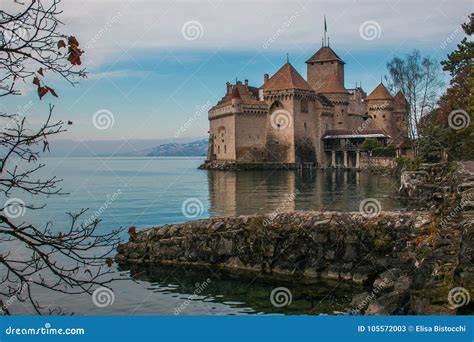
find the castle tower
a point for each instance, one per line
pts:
(334, 91)
(324, 64)
(380, 105)
(290, 133)
(400, 116)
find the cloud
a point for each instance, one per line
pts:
(113, 29)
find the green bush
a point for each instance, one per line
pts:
(384, 151)
(408, 164)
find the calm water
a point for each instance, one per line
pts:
(146, 192)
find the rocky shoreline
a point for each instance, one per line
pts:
(409, 261)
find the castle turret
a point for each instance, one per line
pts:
(380, 105)
(236, 100)
(322, 66)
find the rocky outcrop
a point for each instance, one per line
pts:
(296, 245)
(238, 166)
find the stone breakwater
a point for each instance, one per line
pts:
(302, 246)
(308, 245)
(412, 262)
(238, 166)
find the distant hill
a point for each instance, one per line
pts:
(116, 148)
(191, 149)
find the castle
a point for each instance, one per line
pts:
(293, 122)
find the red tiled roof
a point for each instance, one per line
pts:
(246, 93)
(332, 85)
(235, 93)
(286, 78)
(400, 99)
(380, 93)
(324, 54)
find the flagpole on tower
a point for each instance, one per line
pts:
(325, 30)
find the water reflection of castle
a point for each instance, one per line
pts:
(250, 192)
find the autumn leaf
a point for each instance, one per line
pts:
(74, 52)
(132, 231)
(42, 91)
(40, 71)
(52, 91)
(73, 41)
(109, 262)
(61, 44)
(36, 81)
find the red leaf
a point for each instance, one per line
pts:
(42, 91)
(36, 81)
(52, 91)
(61, 44)
(109, 262)
(132, 231)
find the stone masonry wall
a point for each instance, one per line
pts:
(306, 245)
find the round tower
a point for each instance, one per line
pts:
(380, 104)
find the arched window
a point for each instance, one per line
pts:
(219, 149)
(276, 104)
(225, 148)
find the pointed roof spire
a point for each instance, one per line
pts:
(287, 57)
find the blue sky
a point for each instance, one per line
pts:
(152, 80)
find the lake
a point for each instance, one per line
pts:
(146, 192)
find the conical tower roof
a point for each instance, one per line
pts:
(380, 93)
(286, 78)
(324, 54)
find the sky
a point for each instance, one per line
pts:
(156, 67)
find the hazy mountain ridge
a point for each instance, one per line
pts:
(193, 148)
